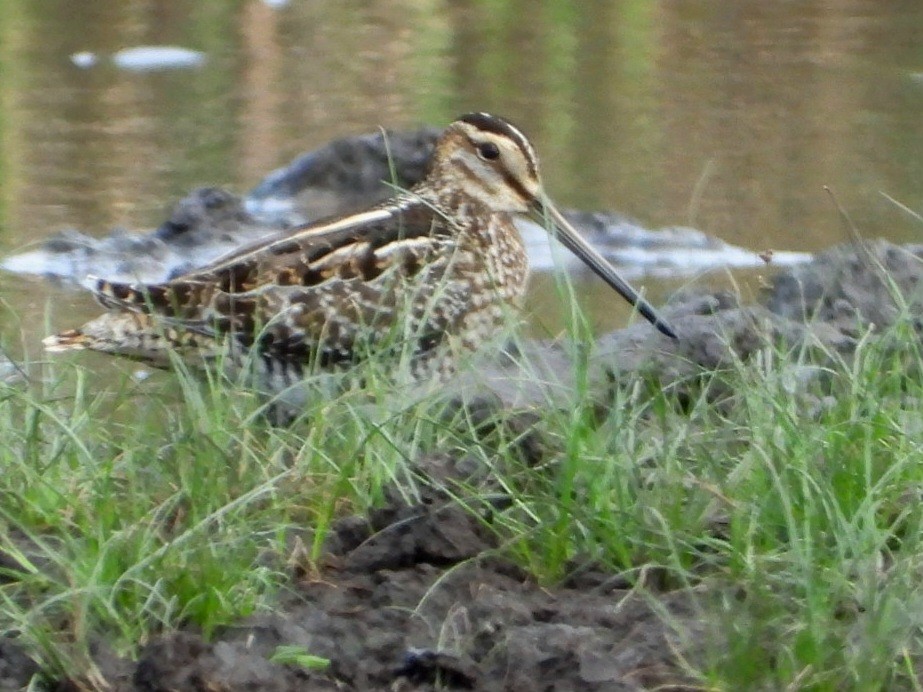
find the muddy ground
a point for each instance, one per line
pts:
(415, 597)
(412, 599)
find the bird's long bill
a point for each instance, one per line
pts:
(544, 211)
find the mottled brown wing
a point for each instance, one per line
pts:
(315, 290)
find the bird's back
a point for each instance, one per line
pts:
(402, 276)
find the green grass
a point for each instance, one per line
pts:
(790, 508)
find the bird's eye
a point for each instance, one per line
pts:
(488, 151)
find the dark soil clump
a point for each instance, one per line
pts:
(16, 668)
(413, 598)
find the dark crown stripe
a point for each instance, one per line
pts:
(498, 126)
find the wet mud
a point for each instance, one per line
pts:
(415, 597)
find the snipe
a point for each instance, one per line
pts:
(431, 272)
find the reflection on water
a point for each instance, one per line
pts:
(726, 116)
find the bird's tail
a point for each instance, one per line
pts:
(133, 335)
(70, 340)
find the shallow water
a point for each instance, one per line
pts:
(729, 117)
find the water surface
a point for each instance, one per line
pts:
(730, 117)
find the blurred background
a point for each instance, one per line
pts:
(726, 116)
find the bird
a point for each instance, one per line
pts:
(425, 276)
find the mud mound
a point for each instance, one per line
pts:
(344, 175)
(816, 312)
(821, 308)
(410, 598)
(852, 286)
(483, 627)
